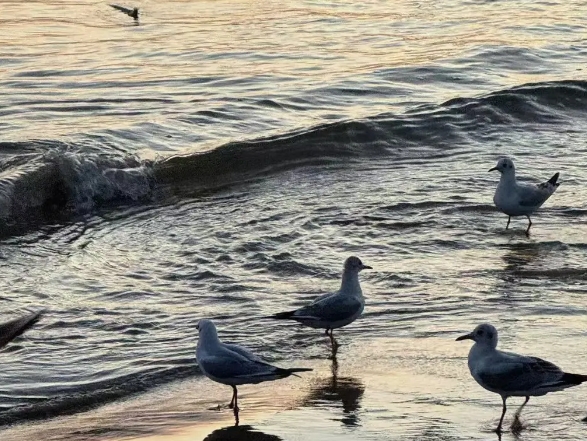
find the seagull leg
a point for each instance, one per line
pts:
(498, 430)
(516, 424)
(519, 411)
(508, 224)
(327, 332)
(529, 225)
(233, 401)
(236, 409)
(333, 342)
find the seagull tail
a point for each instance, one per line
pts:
(552, 181)
(283, 315)
(9, 331)
(574, 379)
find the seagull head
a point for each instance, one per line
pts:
(354, 265)
(504, 165)
(484, 334)
(206, 329)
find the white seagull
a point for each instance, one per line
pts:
(513, 375)
(520, 199)
(12, 329)
(233, 365)
(333, 310)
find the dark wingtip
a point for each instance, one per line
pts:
(552, 181)
(574, 378)
(292, 371)
(301, 369)
(282, 315)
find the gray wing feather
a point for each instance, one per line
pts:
(242, 351)
(522, 373)
(534, 199)
(231, 366)
(330, 309)
(323, 296)
(535, 195)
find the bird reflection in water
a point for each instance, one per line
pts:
(347, 390)
(240, 433)
(516, 433)
(519, 257)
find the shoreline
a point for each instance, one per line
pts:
(186, 409)
(395, 391)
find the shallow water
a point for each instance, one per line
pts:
(221, 159)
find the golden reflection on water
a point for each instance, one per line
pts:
(347, 37)
(86, 50)
(419, 387)
(410, 377)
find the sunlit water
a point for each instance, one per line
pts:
(221, 159)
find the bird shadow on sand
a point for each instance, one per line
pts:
(240, 433)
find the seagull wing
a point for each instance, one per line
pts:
(535, 195)
(323, 296)
(226, 364)
(515, 373)
(333, 308)
(242, 351)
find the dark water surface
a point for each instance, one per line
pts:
(221, 159)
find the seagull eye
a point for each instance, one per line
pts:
(480, 332)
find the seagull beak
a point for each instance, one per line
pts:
(366, 267)
(491, 169)
(465, 337)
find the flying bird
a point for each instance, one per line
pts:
(513, 375)
(134, 12)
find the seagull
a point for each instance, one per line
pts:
(333, 310)
(233, 365)
(513, 375)
(134, 13)
(12, 329)
(519, 199)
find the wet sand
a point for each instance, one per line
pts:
(378, 396)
